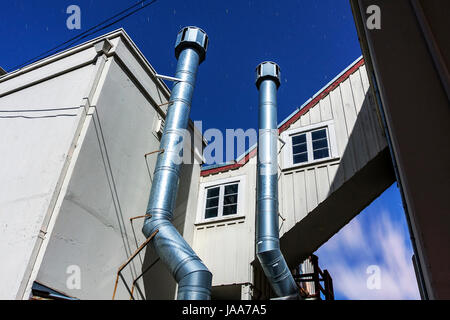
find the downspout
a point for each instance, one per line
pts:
(193, 277)
(267, 236)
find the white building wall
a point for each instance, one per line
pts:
(356, 138)
(227, 246)
(76, 174)
(81, 176)
(350, 109)
(39, 121)
(109, 184)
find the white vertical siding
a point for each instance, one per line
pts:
(325, 109)
(300, 202)
(227, 247)
(358, 136)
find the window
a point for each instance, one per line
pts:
(309, 144)
(221, 201)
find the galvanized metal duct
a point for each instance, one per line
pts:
(193, 277)
(267, 236)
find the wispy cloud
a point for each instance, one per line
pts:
(376, 237)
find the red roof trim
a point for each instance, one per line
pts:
(289, 122)
(236, 165)
(320, 96)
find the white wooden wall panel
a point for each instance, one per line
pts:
(305, 120)
(350, 119)
(315, 114)
(227, 247)
(359, 138)
(341, 132)
(300, 208)
(363, 126)
(325, 109)
(370, 129)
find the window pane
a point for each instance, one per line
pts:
(299, 158)
(211, 213)
(232, 188)
(299, 148)
(319, 134)
(232, 199)
(214, 202)
(301, 138)
(322, 153)
(213, 192)
(230, 209)
(319, 144)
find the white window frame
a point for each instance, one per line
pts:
(286, 136)
(240, 213)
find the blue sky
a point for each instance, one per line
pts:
(378, 236)
(312, 41)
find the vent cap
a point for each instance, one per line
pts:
(268, 70)
(192, 37)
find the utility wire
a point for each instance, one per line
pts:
(89, 32)
(110, 24)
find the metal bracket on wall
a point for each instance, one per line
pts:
(165, 103)
(283, 144)
(149, 153)
(160, 76)
(146, 163)
(42, 234)
(138, 277)
(279, 151)
(134, 233)
(119, 272)
(148, 268)
(282, 221)
(279, 176)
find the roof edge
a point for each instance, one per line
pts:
(119, 32)
(61, 54)
(293, 117)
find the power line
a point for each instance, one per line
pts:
(110, 24)
(87, 33)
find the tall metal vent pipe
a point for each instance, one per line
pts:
(267, 236)
(193, 277)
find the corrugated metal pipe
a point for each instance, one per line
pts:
(193, 277)
(267, 236)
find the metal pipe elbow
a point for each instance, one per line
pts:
(193, 277)
(195, 285)
(276, 269)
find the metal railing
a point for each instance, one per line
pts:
(310, 281)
